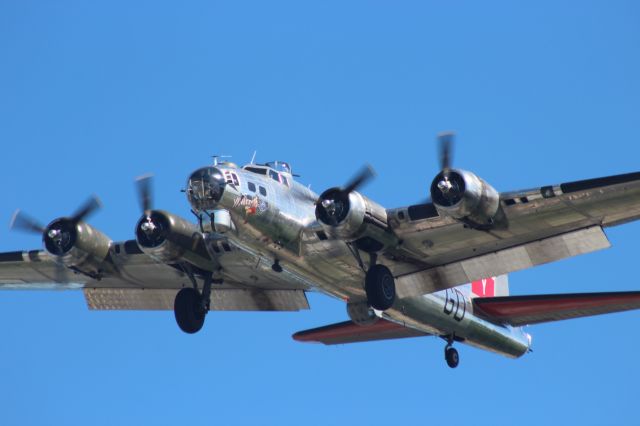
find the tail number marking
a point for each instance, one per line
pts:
(454, 304)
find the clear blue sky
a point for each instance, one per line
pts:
(93, 94)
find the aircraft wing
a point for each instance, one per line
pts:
(541, 225)
(524, 310)
(137, 282)
(349, 332)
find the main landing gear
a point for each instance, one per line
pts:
(190, 306)
(189, 310)
(451, 355)
(380, 287)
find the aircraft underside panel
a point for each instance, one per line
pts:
(221, 299)
(128, 268)
(502, 262)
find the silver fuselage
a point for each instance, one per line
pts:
(282, 226)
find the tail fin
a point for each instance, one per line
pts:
(491, 287)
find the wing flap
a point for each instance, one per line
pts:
(221, 299)
(524, 310)
(349, 332)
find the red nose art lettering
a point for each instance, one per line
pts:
(484, 287)
(251, 205)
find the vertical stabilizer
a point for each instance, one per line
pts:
(491, 287)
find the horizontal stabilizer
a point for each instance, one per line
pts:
(349, 332)
(523, 310)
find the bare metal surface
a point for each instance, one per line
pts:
(275, 222)
(502, 262)
(221, 300)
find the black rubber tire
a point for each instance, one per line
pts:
(380, 287)
(452, 357)
(188, 310)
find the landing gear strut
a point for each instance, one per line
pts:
(451, 355)
(380, 287)
(190, 306)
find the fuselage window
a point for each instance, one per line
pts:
(252, 186)
(263, 191)
(275, 176)
(231, 178)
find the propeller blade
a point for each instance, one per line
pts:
(367, 173)
(145, 195)
(87, 209)
(23, 222)
(446, 148)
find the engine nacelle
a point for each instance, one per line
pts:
(464, 196)
(355, 218)
(77, 245)
(168, 238)
(361, 313)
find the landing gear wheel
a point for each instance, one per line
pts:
(451, 356)
(276, 266)
(380, 287)
(189, 310)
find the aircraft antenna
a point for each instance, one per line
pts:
(253, 159)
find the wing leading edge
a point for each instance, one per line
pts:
(525, 310)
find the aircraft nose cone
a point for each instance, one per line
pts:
(205, 188)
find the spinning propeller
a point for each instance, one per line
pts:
(151, 228)
(145, 193)
(333, 204)
(447, 187)
(60, 235)
(445, 141)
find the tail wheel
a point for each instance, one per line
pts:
(380, 287)
(188, 310)
(452, 357)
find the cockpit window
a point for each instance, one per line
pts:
(274, 175)
(280, 166)
(257, 170)
(284, 180)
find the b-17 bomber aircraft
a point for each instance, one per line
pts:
(261, 241)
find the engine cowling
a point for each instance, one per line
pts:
(77, 245)
(361, 313)
(464, 196)
(355, 218)
(169, 239)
